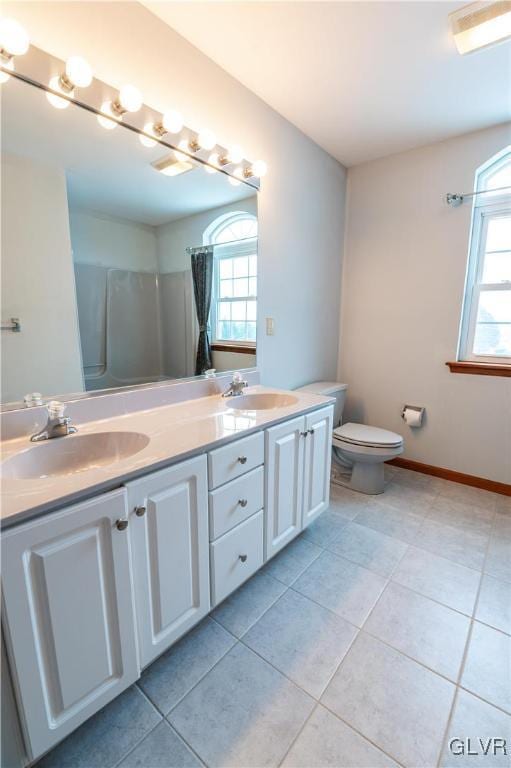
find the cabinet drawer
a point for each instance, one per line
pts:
(234, 502)
(235, 459)
(228, 569)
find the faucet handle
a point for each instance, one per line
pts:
(237, 378)
(56, 409)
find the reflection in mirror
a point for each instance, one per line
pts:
(98, 242)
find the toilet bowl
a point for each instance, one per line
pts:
(359, 451)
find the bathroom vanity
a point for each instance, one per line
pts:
(96, 589)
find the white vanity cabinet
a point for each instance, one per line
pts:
(68, 615)
(297, 458)
(95, 592)
(317, 464)
(168, 514)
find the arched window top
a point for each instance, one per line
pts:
(231, 227)
(495, 175)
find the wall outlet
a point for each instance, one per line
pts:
(269, 326)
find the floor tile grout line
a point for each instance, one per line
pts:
(215, 619)
(464, 657)
(128, 753)
(390, 578)
(318, 702)
(165, 715)
(353, 728)
(199, 758)
(290, 586)
(297, 735)
(146, 696)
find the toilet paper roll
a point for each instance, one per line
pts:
(413, 417)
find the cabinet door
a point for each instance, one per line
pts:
(318, 457)
(284, 448)
(170, 545)
(68, 616)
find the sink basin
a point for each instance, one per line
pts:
(261, 402)
(73, 453)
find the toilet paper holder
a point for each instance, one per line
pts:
(417, 415)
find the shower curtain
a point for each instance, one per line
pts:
(202, 273)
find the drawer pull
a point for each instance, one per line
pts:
(311, 431)
(304, 434)
(243, 558)
(140, 511)
(121, 524)
(242, 459)
(243, 502)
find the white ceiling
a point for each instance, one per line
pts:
(106, 171)
(363, 79)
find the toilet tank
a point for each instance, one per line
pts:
(329, 389)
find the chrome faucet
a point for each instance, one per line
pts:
(236, 386)
(57, 425)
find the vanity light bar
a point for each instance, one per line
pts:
(60, 92)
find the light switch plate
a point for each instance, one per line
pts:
(269, 326)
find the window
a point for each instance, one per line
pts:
(486, 323)
(234, 301)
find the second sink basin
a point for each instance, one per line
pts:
(73, 453)
(261, 402)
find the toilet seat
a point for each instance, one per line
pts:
(366, 436)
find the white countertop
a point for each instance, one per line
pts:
(176, 432)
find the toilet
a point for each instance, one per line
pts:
(358, 450)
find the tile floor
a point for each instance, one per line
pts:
(375, 638)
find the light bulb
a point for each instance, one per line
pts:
(13, 38)
(206, 139)
(5, 76)
(130, 98)
(78, 72)
(235, 154)
(145, 140)
(259, 168)
(238, 172)
(54, 100)
(108, 119)
(172, 122)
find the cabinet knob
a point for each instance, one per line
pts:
(243, 502)
(304, 434)
(140, 511)
(121, 524)
(242, 459)
(243, 558)
(311, 431)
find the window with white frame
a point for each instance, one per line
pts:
(234, 300)
(486, 322)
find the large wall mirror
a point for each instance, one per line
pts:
(103, 254)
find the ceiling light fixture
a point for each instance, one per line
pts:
(481, 24)
(172, 165)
